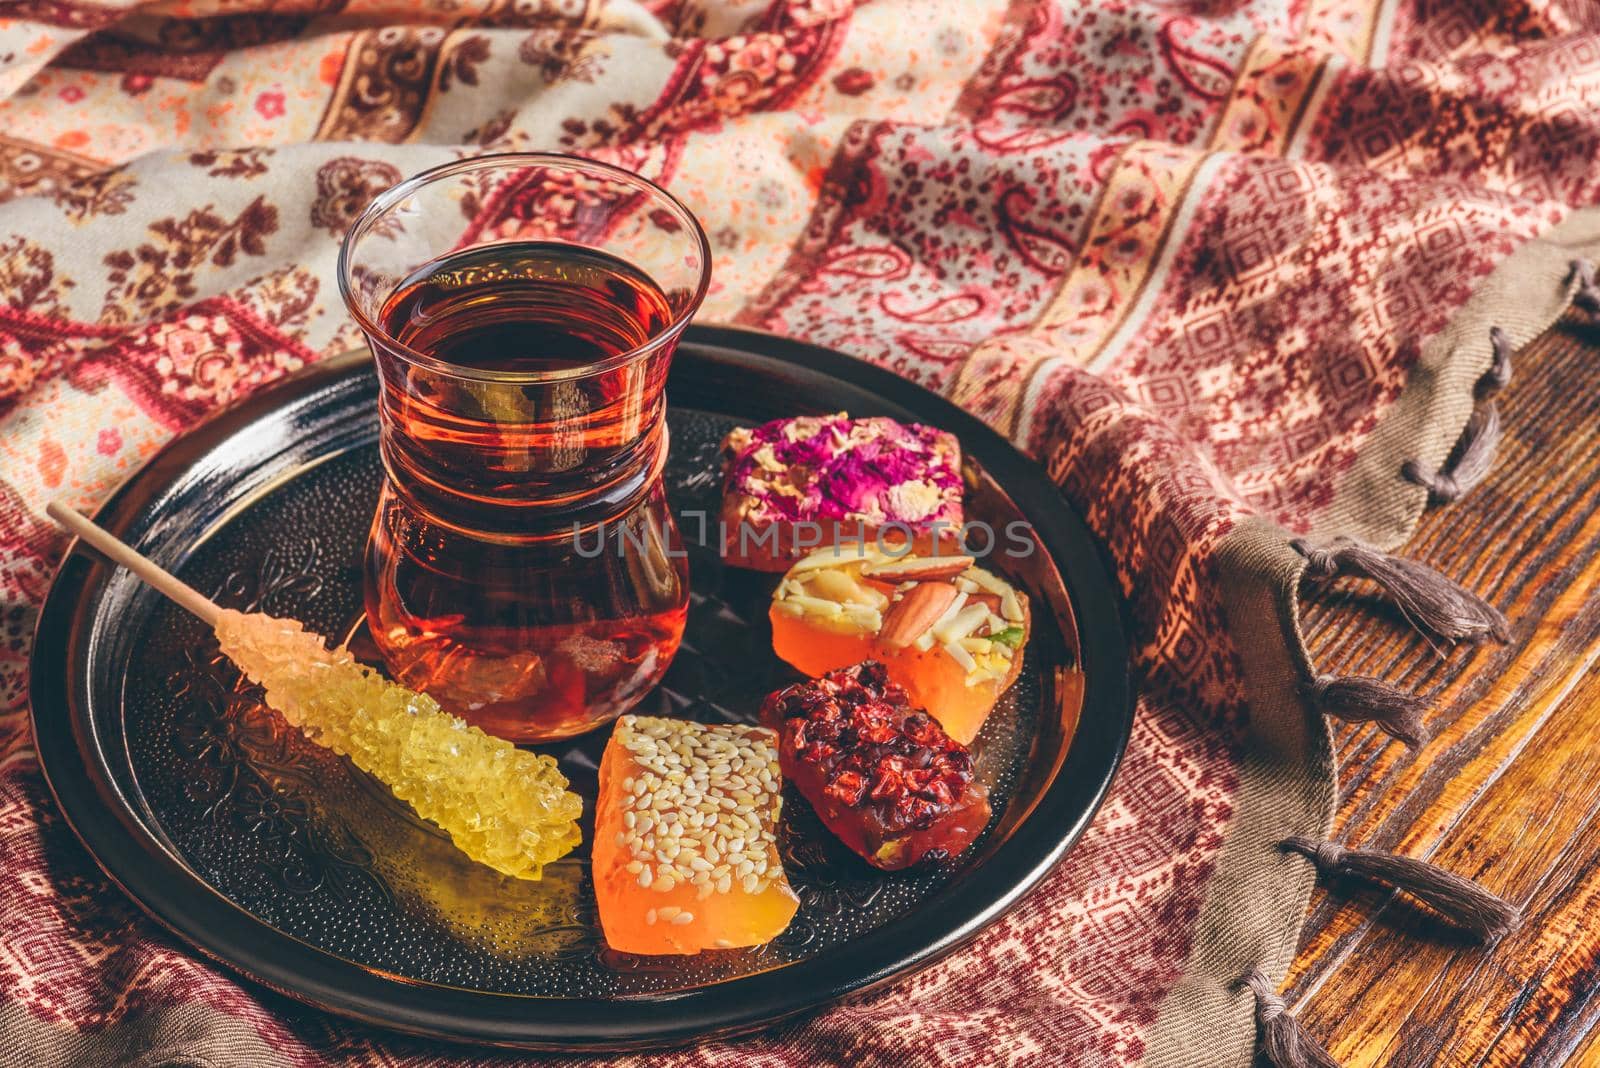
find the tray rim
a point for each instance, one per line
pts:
(135, 859)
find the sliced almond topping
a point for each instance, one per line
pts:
(955, 606)
(868, 619)
(961, 625)
(919, 568)
(915, 614)
(816, 605)
(988, 581)
(835, 585)
(961, 656)
(847, 552)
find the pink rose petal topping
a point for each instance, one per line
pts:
(834, 468)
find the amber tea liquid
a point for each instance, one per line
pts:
(529, 306)
(523, 566)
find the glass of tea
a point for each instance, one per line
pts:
(523, 567)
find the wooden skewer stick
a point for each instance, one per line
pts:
(186, 596)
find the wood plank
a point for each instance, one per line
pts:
(1508, 790)
(1428, 999)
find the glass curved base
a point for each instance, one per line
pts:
(532, 642)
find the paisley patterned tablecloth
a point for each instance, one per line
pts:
(1222, 266)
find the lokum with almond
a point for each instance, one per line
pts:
(950, 632)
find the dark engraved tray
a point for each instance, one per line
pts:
(280, 860)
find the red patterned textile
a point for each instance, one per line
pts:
(1184, 253)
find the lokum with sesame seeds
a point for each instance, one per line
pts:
(794, 484)
(686, 837)
(881, 773)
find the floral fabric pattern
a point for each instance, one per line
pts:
(1185, 255)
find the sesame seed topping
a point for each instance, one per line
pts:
(701, 805)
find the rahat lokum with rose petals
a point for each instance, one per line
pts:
(794, 484)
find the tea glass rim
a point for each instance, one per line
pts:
(385, 200)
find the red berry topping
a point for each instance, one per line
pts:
(884, 775)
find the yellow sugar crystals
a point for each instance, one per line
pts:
(502, 806)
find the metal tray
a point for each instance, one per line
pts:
(281, 861)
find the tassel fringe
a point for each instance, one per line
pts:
(1498, 376)
(1587, 295)
(1474, 455)
(1357, 699)
(1283, 1041)
(1474, 452)
(1423, 595)
(1461, 902)
(1447, 610)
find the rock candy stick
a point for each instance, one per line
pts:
(502, 806)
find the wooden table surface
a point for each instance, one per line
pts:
(1508, 789)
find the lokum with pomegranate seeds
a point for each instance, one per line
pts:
(686, 837)
(947, 630)
(880, 772)
(793, 484)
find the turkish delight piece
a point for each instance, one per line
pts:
(794, 484)
(881, 774)
(686, 837)
(948, 631)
